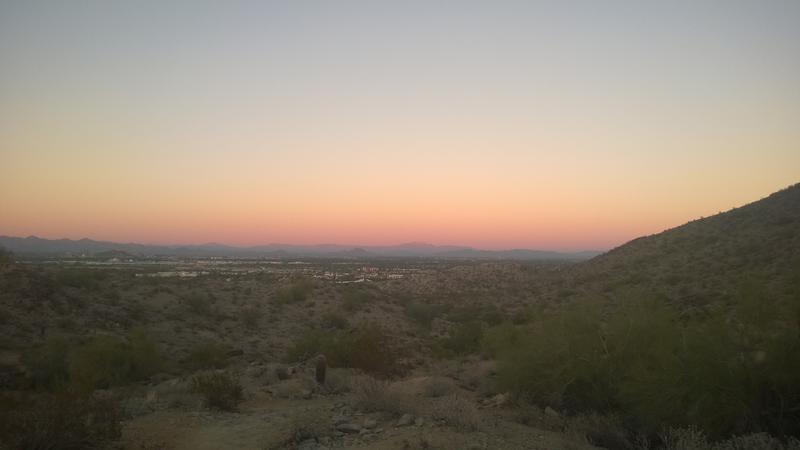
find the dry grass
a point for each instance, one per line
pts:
(457, 412)
(373, 395)
(310, 424)
(438, 387)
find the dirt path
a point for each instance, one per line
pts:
(273, 424)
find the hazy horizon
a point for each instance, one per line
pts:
(492, 125)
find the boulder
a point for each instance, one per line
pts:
(349, 428)
(405, 420)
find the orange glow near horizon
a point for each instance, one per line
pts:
(525, 126)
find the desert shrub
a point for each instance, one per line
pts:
(296, 292)
(438, 387)
(422, 313)
(220, 390)
(251, 317)
(601, 430)
(367, 347)
(464, 339)
(726, 373)
(694, 439)
(457, 412)
(108, 361)
(103, 361)
(199, 304)
(297, 387)
(374, 395)
(500, 338)
(6, 256)
(49, 364)
(59, 421)
(145, 357)
(310, 424)
(490, 314)
(88, 279)
(334, 320)
(354, 299)
(206, 355)
(337, 381)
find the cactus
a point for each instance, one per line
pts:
(321, 366)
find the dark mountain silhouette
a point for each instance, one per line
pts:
(35, 246)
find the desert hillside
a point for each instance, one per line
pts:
(201, 353)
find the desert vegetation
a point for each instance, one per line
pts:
(612, 353)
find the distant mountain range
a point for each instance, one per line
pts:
(35, 246)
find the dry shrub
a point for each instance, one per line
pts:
(308, 424)
(694, 439)
(60, 421)
(311, 424)
(293, 388)
(457, 412)
(373, 395)
(438, 387)
(600, 430)
(367, 347)
(220, 390)
(338, 381)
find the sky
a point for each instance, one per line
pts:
(563, 125)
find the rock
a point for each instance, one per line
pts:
(551, 412)
(497, 400)
(419, 421)
(308, 444)
(338, 420)
(405, 420)
(370, 423)
(349, 428)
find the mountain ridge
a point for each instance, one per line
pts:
(36, 246)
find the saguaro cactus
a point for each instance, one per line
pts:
(322, 365)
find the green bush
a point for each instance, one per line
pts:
(367, 347)
(59, 422)
(49, 364)
(199, 304)
(206, 355)
(108, 361)
(334, 320)
(6, 257)
(500, 338)
(296, 292)
(724, 373)
(145, 358)
(354, 299)
(102, 362)
(251, 317)
(423, 313)
(464, 339)
(219, 390)
(490, 314)
(88, 279)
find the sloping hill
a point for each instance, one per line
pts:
(711, 258)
